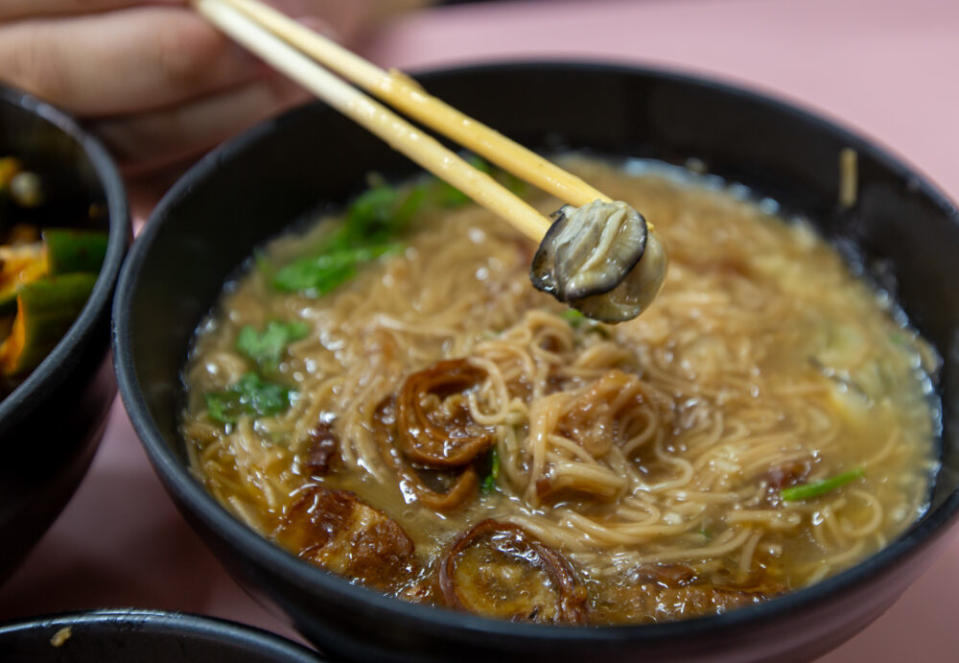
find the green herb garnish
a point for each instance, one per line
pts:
(251, 394)
(808, 491)
(448, 195)
(408, 207)
(489, 482)
(577, 320)
(369, 219)
(322, 273)
(371, 224)
(266, 348)
(573, 317)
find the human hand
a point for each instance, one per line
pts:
(151, 77)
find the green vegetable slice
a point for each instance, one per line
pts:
(266, 348)
(251, 394)
(808, 491)
(62, 251)
(69, 250)
(45, 310)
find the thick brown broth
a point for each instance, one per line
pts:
(640, 466)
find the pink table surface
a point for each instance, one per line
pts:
(884, 67)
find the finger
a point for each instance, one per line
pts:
(121, 62)
(16, 9)
(154, 139)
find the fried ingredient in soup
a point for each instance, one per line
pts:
(339, 532)
(408, 411)
(500, 570)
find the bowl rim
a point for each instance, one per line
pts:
(48, 376)
(319, 582)
(178, 624)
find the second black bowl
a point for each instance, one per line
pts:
(256, 185)
(144, 636)
(51, 423)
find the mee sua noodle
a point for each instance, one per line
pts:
(400, 406)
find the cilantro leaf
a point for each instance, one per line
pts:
(251, 394)
(320, 274)
(266, 348)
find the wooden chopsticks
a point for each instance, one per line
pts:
(285, 45)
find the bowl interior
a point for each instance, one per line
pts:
(249, 190)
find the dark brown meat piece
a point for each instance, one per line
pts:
(667, 575)
(444, 435)
(667, 592)
(787, 474)
(335, 530)
(783, 476)
(322, 449)
(459, 488)
(440, 489)
(650, 603)
(425, 589)
(501, 570)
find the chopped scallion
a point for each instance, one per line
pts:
(573, 317)
(808, 491)
(489, 482)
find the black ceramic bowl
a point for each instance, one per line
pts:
(251, 188)
(144, 636)
(50, 424)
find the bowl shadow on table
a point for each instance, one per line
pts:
(181, 571)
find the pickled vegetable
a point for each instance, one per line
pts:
(45, 311)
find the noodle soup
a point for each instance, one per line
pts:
(410, 413)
